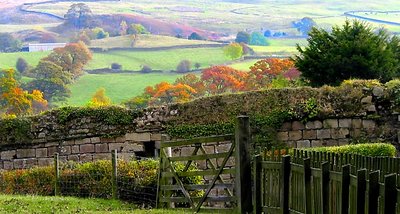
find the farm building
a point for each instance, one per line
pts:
(45, 46)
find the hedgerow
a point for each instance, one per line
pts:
(368, 149)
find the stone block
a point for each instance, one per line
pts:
(85, 158)
(8, 165)
(86, 148)
(355, 133)
(186, 151)
(73, 158)
(75, 149)
(368, 124)
(138, 137)
(356, 123)
(51, 144)
(116, 146)
(378, 91)
(366, 100)
(126, 156)
(45, 161)
(68, 142)
(120, 139)
(286, 126)
(323, 134)
(26, 153)
(132, 147)
(344, 123)
(41, 152)
(283, 136)
(8, 155)
(82, 141)
(291, 144)
(155, 137)
(295, 135)
(309, 134)
(317, 143)
(101, 157)
(371, 109)
(31, 162)
(331, 142)
(340, 133)
(65, 150)
(331, 123)
(95, 140)
(107, 140)
(343, 142)
(19, 164)
(51, 151)
(297, 125)
(303, 144)
(101, 148)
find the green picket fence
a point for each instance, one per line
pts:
(317, 182)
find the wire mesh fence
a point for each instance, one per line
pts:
(129, 180)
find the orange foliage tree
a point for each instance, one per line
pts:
(72, 58)
(222, 79)
(15, 100)
(263, 71)
(193, 81)
(165, 92)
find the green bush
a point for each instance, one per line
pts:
(137, 180)
(368, 149)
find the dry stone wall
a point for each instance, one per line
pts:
(80, 134)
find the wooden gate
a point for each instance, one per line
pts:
(215, 162)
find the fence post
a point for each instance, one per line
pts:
(390, 194)
(361, 189)
(243, 165)
(257, 204)
(373, 192)
(345, 189)
(57, 172)
(325, 186)
(285, 178)
(307, 186)
(114, 174)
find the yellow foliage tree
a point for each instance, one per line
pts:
(100, 99)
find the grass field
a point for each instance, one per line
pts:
(39, 204)
(144, 41)
(243, 65)
(224, 16)
(163, 60)
(119, 87)
(8, 60)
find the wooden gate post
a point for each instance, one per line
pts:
(243, 165)
(57, 173)
(285, 179)
(114, 174)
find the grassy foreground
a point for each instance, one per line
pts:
(42, 204)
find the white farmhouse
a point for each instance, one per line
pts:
(45, 46)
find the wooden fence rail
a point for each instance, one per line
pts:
(316, 182)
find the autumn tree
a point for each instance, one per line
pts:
(22, 65)
(15, 100)
(222, 79)
(165, 93)
(135, 29)
(195, 36)
(79, 15)
(264, 71)
(193, 81)
(123, 27)
(99, 99)
(184, 66)
(233, 51)
(242, 37)
(71, 58)
(51, 79)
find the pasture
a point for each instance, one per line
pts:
(224, 16)
(9, 60)
(160, 60)
(119, 87)
(144, 41)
